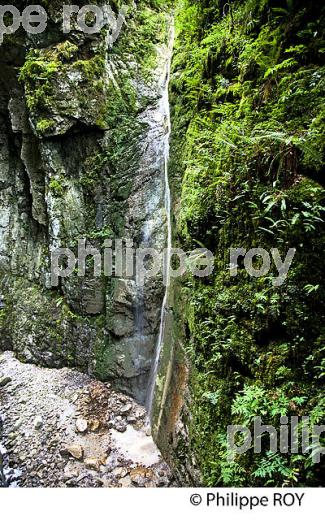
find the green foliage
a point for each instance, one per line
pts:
(44, 125)
(247, 156)
(37, 73)
(57, 187)
(46, 70)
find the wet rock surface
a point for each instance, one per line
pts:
(60, 428)
(82, 158)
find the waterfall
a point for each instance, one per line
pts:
(165, 109)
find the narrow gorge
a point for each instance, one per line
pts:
(179, 128)
(92, 168)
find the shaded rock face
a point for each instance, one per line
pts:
(220, 350)
(81, 157)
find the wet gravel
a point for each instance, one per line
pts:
(60, 428)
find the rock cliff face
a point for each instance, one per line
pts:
(247, 171)
(81, 158)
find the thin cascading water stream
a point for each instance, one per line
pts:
(165, 109)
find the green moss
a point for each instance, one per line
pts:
(247, 104)
(66, 51)
(91, 69)
(57, 187)
(45, 70)
(2, 319)
(44, 125)
(36, 74)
